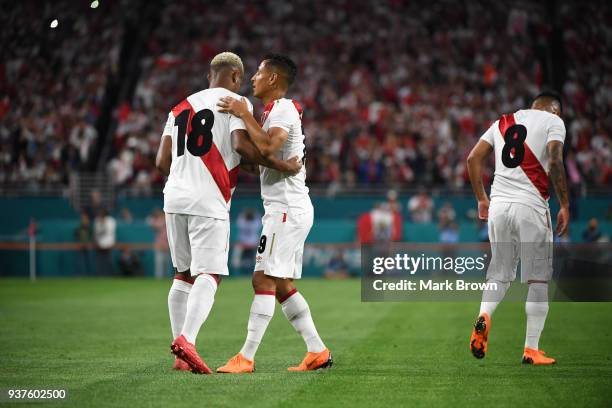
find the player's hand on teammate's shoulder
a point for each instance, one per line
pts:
(483, 209)
(234, 106)
(562, 221)
(294, 164)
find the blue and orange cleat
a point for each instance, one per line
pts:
(315, 361)
(187, 352)
(480, 336)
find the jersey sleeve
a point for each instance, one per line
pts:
(283, 116)
(489, 135)
(169, 128)
(237, 123)
(556, 130)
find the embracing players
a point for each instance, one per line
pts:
(200, 153)
(525, 143)
(287, 220)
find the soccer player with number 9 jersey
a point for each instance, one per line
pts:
(287, 220)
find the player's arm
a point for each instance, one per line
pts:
(163, 160)
(475, 160)
(250, 167)
(268, 142)
(247, 149)
(557, 178)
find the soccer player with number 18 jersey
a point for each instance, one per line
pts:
(200, 152)
(528, 147)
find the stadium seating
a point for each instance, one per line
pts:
(403, 112)
(398, 105)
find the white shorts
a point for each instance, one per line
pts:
(197, 243)
(281, 247)
(519, 232)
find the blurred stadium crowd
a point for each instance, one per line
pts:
(52, 83)
(395, 93)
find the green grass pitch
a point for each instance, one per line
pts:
(107, 342)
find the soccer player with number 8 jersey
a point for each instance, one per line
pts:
(528, 147)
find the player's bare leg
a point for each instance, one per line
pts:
(296, 310)
(177, 307)
(536, 308)
(490, 300)
(199, 304)
(262, 310)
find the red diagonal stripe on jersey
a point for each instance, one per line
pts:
(184, 105)
(298, 107)
(233, 176)
(226, 180)
(530, 165)
(266, 112)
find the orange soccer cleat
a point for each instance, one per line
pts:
(314, 361)
(536, 357)
(237, 365)
(480, 336)
(180, 365)
(187, 352)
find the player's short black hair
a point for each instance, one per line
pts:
(284, 64)
(552, 95)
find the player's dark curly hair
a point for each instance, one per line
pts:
(284, 64)
(551, 95)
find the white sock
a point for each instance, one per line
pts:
(297, 312)
(177, 305)
(536, 309)
(492, 297)
(262, 310)
(201, 299)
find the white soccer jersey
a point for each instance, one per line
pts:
(281, 192)
(521, 157)
(204, 166)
